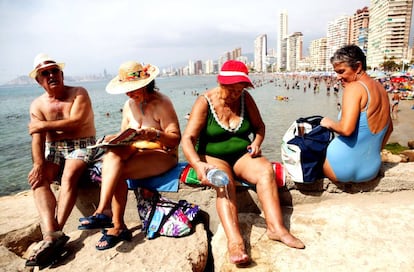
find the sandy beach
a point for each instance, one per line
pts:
(403, 124)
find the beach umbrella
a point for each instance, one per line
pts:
(399, 79)
(377, 74)
(398, 74)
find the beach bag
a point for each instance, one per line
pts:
(304, 147)
(161, 216)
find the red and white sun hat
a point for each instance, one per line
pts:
(233, 72)
(42, 61)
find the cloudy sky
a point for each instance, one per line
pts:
(90, 36)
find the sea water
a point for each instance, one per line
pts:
(278, 115)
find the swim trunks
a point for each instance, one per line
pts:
(357, 157)
(59, 151)
(219, 141)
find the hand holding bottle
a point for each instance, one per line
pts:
(254, 150)
(217, 177)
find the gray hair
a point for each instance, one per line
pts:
(351, 55)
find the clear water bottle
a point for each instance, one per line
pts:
(217, 177)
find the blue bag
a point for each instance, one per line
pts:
(304, 149)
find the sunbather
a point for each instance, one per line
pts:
(153, 115)
(61, 126)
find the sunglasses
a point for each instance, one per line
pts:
(48, 72)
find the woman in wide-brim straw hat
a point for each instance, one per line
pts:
(226, 131)
(154, 151)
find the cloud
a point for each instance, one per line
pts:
(94, 35)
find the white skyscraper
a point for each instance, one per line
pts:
(338, 35)
(282, 40)
(260, 52)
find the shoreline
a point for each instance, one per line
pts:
(403, 132)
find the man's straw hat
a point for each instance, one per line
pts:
(42, 61)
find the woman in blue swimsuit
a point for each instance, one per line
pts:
(364, 124)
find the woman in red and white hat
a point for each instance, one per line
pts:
(226, 131)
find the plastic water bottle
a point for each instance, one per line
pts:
(217, 177)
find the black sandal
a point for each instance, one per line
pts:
(97, 221)
(113, 240)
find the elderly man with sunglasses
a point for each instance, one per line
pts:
(62, 126)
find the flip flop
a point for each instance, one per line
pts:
(97, 221)
(112, 240)
(47, 252)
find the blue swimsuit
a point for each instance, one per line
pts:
(357, 157)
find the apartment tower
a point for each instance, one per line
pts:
(260, 52)
(282, 41)
(359, 28)
(389, 31)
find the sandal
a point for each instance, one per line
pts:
(47, 252)
(97, 221)
(112, 240)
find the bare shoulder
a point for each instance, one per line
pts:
(38, 101)
(355, 85)
(162, 97)
(76, 89)
(354, 89)
(77, 92)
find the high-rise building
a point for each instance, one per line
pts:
(359, 28)
(317, 54)
(191, 70)
(236, 53)
(338, 35)
(389, 31)
(209, 67)
(260, 52)
(294, 51)
(282, 40)
(198, 67)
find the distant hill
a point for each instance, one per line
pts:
(21, 80)
(26, 80)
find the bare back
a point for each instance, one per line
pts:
(378, 107)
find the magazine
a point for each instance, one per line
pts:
(126, 137)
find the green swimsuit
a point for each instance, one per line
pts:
(220, 141)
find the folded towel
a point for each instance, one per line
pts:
(166, 182)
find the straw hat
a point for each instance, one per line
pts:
(233, 72)
(43, 61)
(132, 76)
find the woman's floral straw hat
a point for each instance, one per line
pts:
(132, 76)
